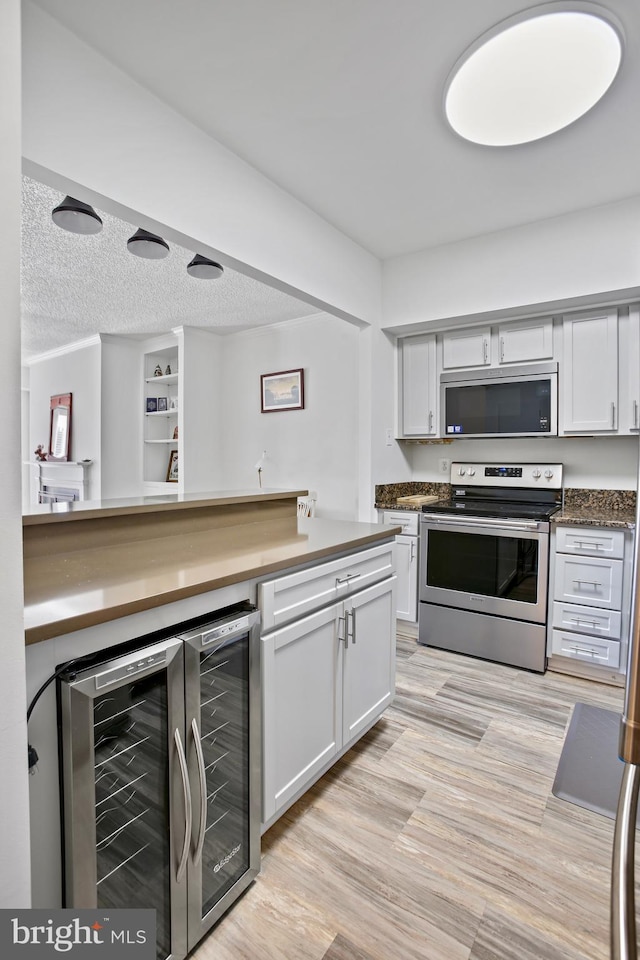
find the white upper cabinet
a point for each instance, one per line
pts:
(525, 342)
(466, 348)
(589, 373)
(418, 387)
(629, 331)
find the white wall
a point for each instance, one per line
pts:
(606, 463)
(120, 460)
(576, 255)
(136, 151)
(78, 372)
(315, 448)
(204, 409)
(14, 798)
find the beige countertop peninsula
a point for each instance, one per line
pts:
(98, 562)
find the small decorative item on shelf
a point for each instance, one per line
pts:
(167, 372)
(158, 371)
(152, 404)
(173, 403)
(172, 470)
(175, 433)
(41, 453)
(162, 404)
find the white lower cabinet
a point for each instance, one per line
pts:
(406, 562)
(326, 678)
(590, 579)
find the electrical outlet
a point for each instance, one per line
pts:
(389, 436)
(444, 465)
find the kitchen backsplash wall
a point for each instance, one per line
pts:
(607, 463)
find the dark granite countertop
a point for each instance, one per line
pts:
(598, 508)
(581, 507)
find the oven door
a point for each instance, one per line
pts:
(497, 567)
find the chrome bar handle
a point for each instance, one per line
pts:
(412, 552)
(485, 349)
(188, 817)
(635, 413)
(353, 626)
(345, 637)
(623, 914)
(430, 427)
(342, 581)
(613, 414)
(501, 349)
(592, 583)
(202, 777)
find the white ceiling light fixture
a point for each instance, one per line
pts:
(534, 74)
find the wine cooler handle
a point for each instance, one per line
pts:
(182, 761)
(203, 790)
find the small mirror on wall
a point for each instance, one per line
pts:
(60, 427)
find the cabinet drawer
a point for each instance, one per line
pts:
(602, 653)
(590, 541)
(592, 620)
(297, 594)
(402, 518)
(589, 580)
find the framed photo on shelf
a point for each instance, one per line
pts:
(172, 469)
(152, 404)
(282, 391)
(162, 404)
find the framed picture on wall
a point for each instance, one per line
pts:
(282, 391)
(172, 469)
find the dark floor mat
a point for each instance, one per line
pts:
(590, 772)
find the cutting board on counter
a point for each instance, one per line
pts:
(417, 499)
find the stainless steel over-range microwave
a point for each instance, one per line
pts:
(517, 401)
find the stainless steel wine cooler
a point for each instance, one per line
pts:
(160, 756)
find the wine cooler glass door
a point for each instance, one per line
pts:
(125, 785)
(222, 703)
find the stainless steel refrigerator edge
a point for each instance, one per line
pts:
(623, 915)
(175, 720)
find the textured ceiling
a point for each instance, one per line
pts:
(75, 286)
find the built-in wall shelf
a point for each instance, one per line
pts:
(162, 413)
(165, 378)
(164, 440)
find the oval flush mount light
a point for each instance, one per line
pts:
(533, 74)
(76, 216)
(204, 269)
(147, 245)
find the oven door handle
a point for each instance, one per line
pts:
(481, 523)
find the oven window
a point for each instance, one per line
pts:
(491, 566)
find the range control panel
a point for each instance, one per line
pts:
(530, 475)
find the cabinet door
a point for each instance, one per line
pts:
(418, 387)
(407, 578)
(302, 711)
(589, 374)
(369, 657)
(523, 342)
(466, 348)
(629, 333)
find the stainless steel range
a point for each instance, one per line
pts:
(484, 562)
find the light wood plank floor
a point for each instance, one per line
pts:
(437, 837)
